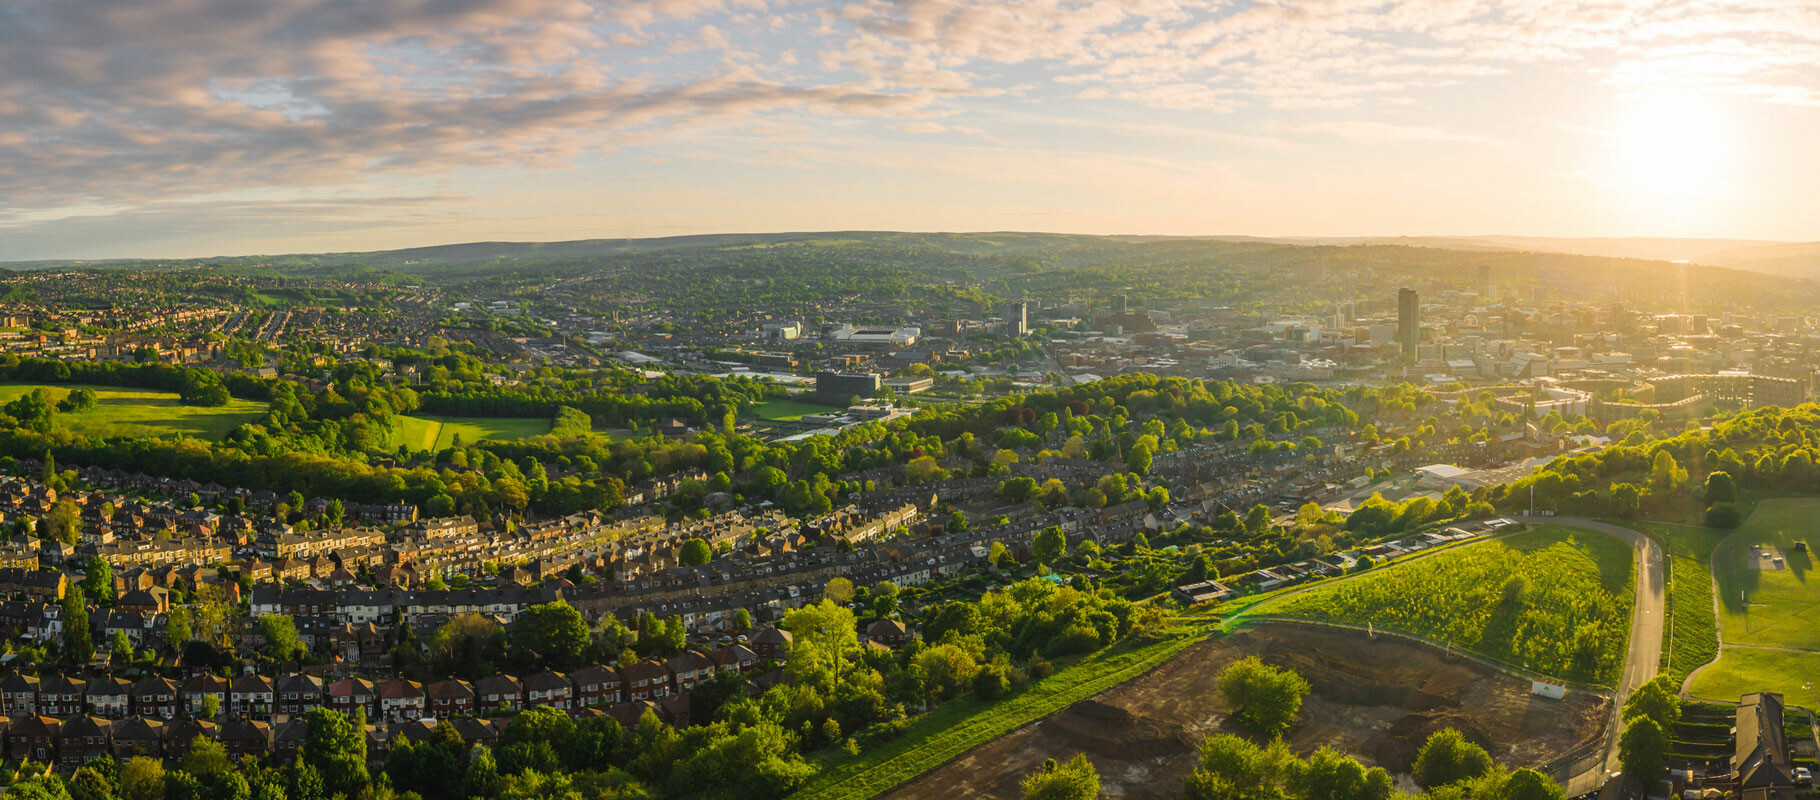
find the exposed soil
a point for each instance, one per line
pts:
(1375, 699)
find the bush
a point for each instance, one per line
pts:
(1264, 698)
(1448, 758)
(991, 682)
(1041, 669)
(1723, 516)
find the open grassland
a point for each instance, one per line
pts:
(435, 433)
(780, 408)
(142, 412)
(957, 726)
(1761, 603)
(1742, 670)
(1690, 639)
(1553, 600)
(1767, 610)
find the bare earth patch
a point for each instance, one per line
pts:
(1377, 700)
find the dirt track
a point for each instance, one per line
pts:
(1374, 699)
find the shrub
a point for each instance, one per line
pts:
(1723, 516)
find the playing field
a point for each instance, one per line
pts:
(1769, 604)
(435, 433)
(779, 408)
(1554, 600)
(142, 412)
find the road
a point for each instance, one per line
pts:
(1644, 655)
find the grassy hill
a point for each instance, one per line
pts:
(1555, 600)
(142, 412)
(1766, 609)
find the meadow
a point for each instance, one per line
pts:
(142, 412)
(783, 408)
(420, 432)
(1554, 600)
(1766, 616)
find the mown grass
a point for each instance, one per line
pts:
(423, 432)
(956, 727)
(1742, 670)
(1760, 610)
(1774, 608)
(1580, 585)
(780, 408)
(142, 412)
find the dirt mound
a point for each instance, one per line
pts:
(1097, 727)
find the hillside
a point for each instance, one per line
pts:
(1227, 270)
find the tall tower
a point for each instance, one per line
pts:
(1409, 321)
(1121, 304)
(1485, 280)
(1019, 319)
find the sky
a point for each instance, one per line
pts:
(187, 128)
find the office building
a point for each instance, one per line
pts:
(1409, 321)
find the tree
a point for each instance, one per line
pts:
(552, 635)
(1720, 487)
(1139, 460)
(335, 749)
(469, 645)
(213, 617)
(89, 784)
(695, 552)
(1626, 499)
(1643, 749)
(142, 778)
(840, 590)
(206, 758)
(1658, 700)
(281, 639)
(1075, 779)
(1232, 768)
(1050, 545)
(1328, 775)
(1664, 474)
(1262, 697)
(1528, 784)
(823, 636)
(63, 523)
(1448, 758)
(98, 581)
(1257, 520)
(78, 642)
(1017, 490)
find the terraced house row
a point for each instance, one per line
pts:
(71, 720)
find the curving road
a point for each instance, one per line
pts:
(1643, 658)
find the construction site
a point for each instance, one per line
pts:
(1375, 698)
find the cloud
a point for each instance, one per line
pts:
(123, 104)
(108, 102)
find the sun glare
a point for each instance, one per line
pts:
(1672, 143)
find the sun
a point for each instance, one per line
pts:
(1672, 144)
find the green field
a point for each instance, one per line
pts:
(1690, 638)
(958, 726)
(779, 408)
(1767, 615)
(1742, 670)
(435, 433)
(142, 412)
(1571, 621)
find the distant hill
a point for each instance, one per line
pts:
(1011, 262)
